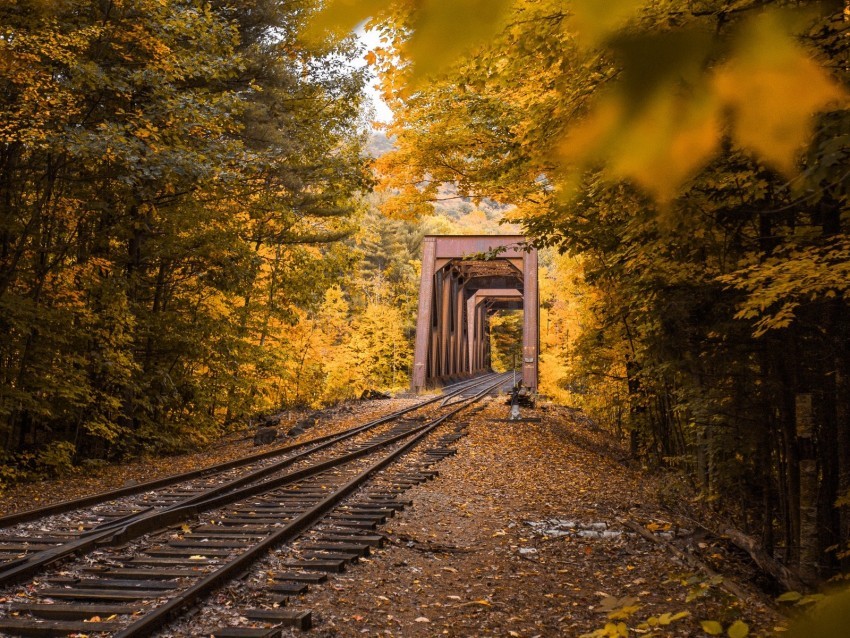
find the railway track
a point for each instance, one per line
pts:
(131, 572)
(196, 481)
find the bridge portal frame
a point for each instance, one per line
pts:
(451, 330)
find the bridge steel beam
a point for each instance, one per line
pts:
(426, 305)
(460, 273)
(531, 321)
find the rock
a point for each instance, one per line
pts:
(370, 395)
(265, 435)
(307, 422)
(556, 533)
(588, 533)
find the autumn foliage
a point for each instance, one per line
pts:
(172, 177)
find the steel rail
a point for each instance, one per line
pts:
(256, 475)
(148, 623)
(102, 497)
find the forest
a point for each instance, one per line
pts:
(198, 225)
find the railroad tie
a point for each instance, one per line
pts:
(349, 548)
(358, 518)
(247, 632)
(372, 540)
(356, 525)
(102, 594)
(370, 510)
(52, 628)
(288, 588)
(110, 582)
(57, 611)
(151, 574)
(329, 566)
(300, 577)
(286, 617)
(169, 562)
(323, 556)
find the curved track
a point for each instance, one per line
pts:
(139, 577)
(72, 505)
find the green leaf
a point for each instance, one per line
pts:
(789, 597)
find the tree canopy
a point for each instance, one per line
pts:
(172, 177)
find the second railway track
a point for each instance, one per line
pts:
(136, 571)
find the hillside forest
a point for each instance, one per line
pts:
(199, 225)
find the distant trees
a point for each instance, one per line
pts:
(172, 178)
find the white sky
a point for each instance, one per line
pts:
(370, 40)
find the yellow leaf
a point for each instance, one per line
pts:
(711, 627)
(773, 89)
(444, 30)
(341, 16)
(738, 629)
(658, 146)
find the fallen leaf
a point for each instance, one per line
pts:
(738, 629)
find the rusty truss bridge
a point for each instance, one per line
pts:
(465, 279)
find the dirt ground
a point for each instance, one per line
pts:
(520, 535)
